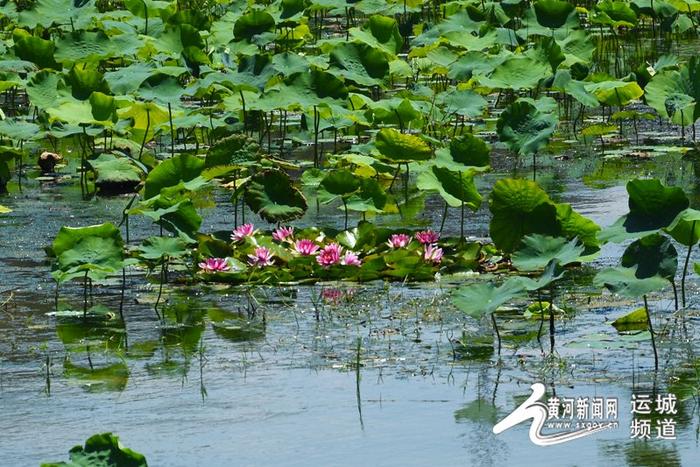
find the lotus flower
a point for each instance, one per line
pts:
(351, 259)
(427, 237)
(398, 241)
(215, 265)
(432, 253)
(305, 247)
(261, 258)
(329, 255)
(243, 231)
(283, 234)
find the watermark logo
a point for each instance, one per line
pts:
(592, 416)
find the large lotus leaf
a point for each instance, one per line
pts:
(304, 90)
(615, 93)
(171, 172)
(104, 107)
(147, 8)
(93, 47)
(272, 196)
(146, 119)
(400, 147)
(84, 80)
(70, 14)
(113, 169)
(525, 129)
(97, 250)
(470, 150)
(518, 72)
(652, 207)
(252, 24)
(128, 79)
(236, 150)
(615, 13)
(20, 129)
(576, 89)
(155, 248)
(575, 225)
(67, 237)
(538, 250)
(340, 182)
(102, 450)
(651, 255)
(34, 49)
(455, 187)
(174, 212)
(380, 32)
(462, 102)
(520, 208)
(676, 94)
(578, 47)
(685, 228)
(552, 13)
(624, 281)
(477, 300)
(360, 63)
(370, 198)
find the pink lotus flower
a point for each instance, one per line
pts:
(351, 259)
(433, 254)
(329, 255)
(215, 265)
(283, 234)
(243, 231)
(305, 247)
(427, 236)
(262, 257)
(398, 241)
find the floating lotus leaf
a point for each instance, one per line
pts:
(272, 196)
(462, 102)
(518, 72)
(102, 450)
(360, 63)
(252, 24)
(525, 129)
(157, 248)
(46, 13)
(112, 170)
(95, 250)
(400, 147)
(478, 300)
(235, 150)
(615, 93)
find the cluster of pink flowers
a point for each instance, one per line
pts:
(215, 265)
(305, 247)
(333, 254)
(432, 253)
(243, 231)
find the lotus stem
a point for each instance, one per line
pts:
(85, 295)
(444, 217)
(539, 331)
(498, 334)
(345, 207)
(145, 134)
(651, 331)
(687, 260)
(172, 131)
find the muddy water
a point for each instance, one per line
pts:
(290, 392)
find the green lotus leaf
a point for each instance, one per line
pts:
(175, 212)
(252, 24)
(652, 255)
(520, 208)
(156, 248)
(84, 80)
(272, 196)
(236, 150)
(4, 209)
(615, 13)
(624, 281)
(103, 449)
(478, 300)
(685, 228)
(371, 197)
(93, 47)
(340, 182)
(470, 151)
(34, 49)
(400, 147)
(552, 13)
(518, 72)
(303, 91)
(455, 187)
(104, 107)
(615, 93)
(360, 63)
(97, 251)
(20, 129)
(380, 32)
(113, 170)
(147, 8)
(633, 321)
(675, 94)
(538, 250)
(525, 129)
(146, 118)
(171, 172)
(47, 13)
(574, 225)
(462, 102)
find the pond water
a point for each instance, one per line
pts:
(286, 388)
